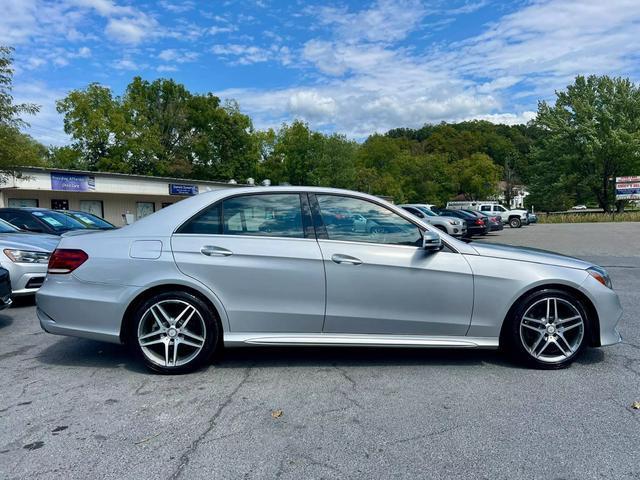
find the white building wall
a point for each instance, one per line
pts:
(119, 194)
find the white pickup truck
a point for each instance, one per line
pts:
(515, 218)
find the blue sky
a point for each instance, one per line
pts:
(350, 67)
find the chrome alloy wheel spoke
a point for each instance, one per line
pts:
(162, 335)
(552, 329)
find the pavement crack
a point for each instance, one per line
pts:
(424, 435)
(186, 455)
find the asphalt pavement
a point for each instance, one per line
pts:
(73, 408)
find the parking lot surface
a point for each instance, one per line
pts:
(75, 408)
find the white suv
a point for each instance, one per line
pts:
(515, 218)
(455, 227)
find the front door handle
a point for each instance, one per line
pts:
(348, 259)
(213, 251)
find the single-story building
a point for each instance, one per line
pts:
(108, 195)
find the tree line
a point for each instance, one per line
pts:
(568, 154)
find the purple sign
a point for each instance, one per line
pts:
(72, 182)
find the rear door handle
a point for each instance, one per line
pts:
(213, 251)
(348, 259)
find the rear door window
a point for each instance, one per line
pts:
(272, 215)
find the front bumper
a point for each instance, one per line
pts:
(26, 278)
(607, 305)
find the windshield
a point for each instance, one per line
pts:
(58, 221)
(6, 227)
(427, 212)
(90, 220)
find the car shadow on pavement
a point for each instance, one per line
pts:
(74, 352)
(357, 357)
(78, 352)
(5, 321)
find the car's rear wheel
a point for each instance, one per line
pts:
(547, 330)
(174, 332)
(515, 222)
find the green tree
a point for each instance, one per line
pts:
(477, 176)
(591, 134)
(159, 128)
(16, 148)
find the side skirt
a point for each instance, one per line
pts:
(350, 340)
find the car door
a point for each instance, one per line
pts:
(259, 255)
(382, 281)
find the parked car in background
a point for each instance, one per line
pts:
(193, 278)
(494, 221)
(515, 217)
(579, 207)
(5, 289)
(475, 225)
(533, 218)
(25, 255)
(89, 220)
(455, 227)
(40, 220)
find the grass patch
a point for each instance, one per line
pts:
(590, 217)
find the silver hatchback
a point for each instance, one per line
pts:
(293, 266)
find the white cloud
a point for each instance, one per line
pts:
(178, 56)
(238, 54)
(166, 68)
(131, 30)
(385, 21)
(376, 85)
(126, 64)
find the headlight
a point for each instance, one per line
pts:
(26, 256)
(454, 222)
(601, 275)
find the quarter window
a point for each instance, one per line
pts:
(206, 222)
(356, 220)
(277, 215)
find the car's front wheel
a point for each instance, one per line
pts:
(174, 332)
(547, 330)
(515, 222)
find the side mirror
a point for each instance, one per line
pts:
(431, 241)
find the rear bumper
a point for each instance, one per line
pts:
(68, 306)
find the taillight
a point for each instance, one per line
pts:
(65, 260)
(479, 222)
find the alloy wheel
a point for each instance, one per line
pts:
(552, 330)
(171, 333)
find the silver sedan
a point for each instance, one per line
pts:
(286, 266)
(25, 255)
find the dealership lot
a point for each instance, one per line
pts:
(84, 409)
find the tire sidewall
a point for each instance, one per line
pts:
(512, 341)
(212, 339)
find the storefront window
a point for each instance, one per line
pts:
(144, 209)
(93, 207)
(23, 202)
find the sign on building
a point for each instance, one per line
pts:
(628, 188)
(180, 189)
(72, 182)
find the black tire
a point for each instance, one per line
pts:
(511, 339)
(441, 228)
(515, 222)
(212, 332)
